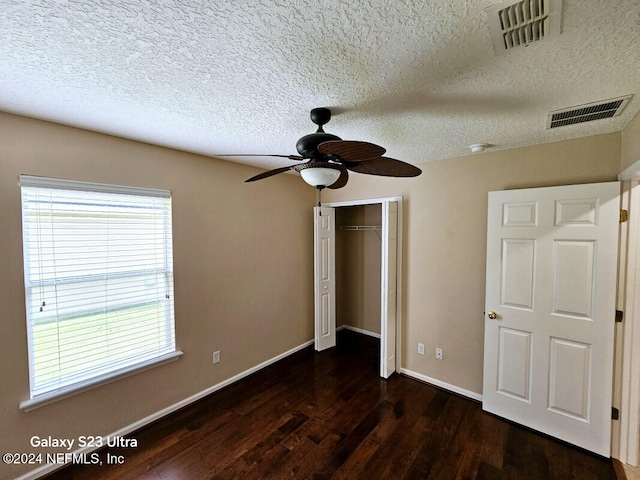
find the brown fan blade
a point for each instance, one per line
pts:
(350, 150)
(269, 173)
(342, 179)
(290, 157)
(386, 167)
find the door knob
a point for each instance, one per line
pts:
(492, 315)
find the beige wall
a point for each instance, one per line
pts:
(444, 239)
(243, 274)
(631, 144)
(358, 267)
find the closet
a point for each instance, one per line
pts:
(358, 268)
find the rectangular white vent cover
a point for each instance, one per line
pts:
(587, 113)
(514, 24)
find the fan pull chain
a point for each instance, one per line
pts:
(319, 201)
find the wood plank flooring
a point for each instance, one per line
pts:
(329, 416)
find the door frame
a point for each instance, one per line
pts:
(383, 325)
(627, 375)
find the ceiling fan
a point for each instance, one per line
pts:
(329, 158)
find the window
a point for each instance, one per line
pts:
(98, 269)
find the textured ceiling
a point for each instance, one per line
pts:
(420, 78)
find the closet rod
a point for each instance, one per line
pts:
(361, 227)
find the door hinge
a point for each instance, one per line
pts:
(615, 413)
(619, 316)
(624, 216)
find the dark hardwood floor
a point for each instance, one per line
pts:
(329, 416)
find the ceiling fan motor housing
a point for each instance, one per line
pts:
(307, 146)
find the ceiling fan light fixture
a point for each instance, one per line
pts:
(320, 177)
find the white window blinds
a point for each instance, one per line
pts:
(99, 280)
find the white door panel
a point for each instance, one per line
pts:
(325, 282)
(551, 279)
(389, 290)
(514, 364)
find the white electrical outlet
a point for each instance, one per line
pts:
(421, 348)
(216, 356)
(439, 353)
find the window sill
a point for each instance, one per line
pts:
(47, 398)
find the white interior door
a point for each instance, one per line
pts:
(325, 282)
(389, 292)
(551, 282)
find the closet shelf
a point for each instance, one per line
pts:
(360, 227)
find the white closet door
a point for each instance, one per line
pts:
(389, 288)
(325, 278)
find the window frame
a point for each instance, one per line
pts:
(96, 379)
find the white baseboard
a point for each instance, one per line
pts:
(358, 330)
(443, 385)
(46, 469)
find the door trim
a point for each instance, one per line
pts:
(628, 379)
(382, 200)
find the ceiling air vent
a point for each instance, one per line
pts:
(587, 113)
(516, 24)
